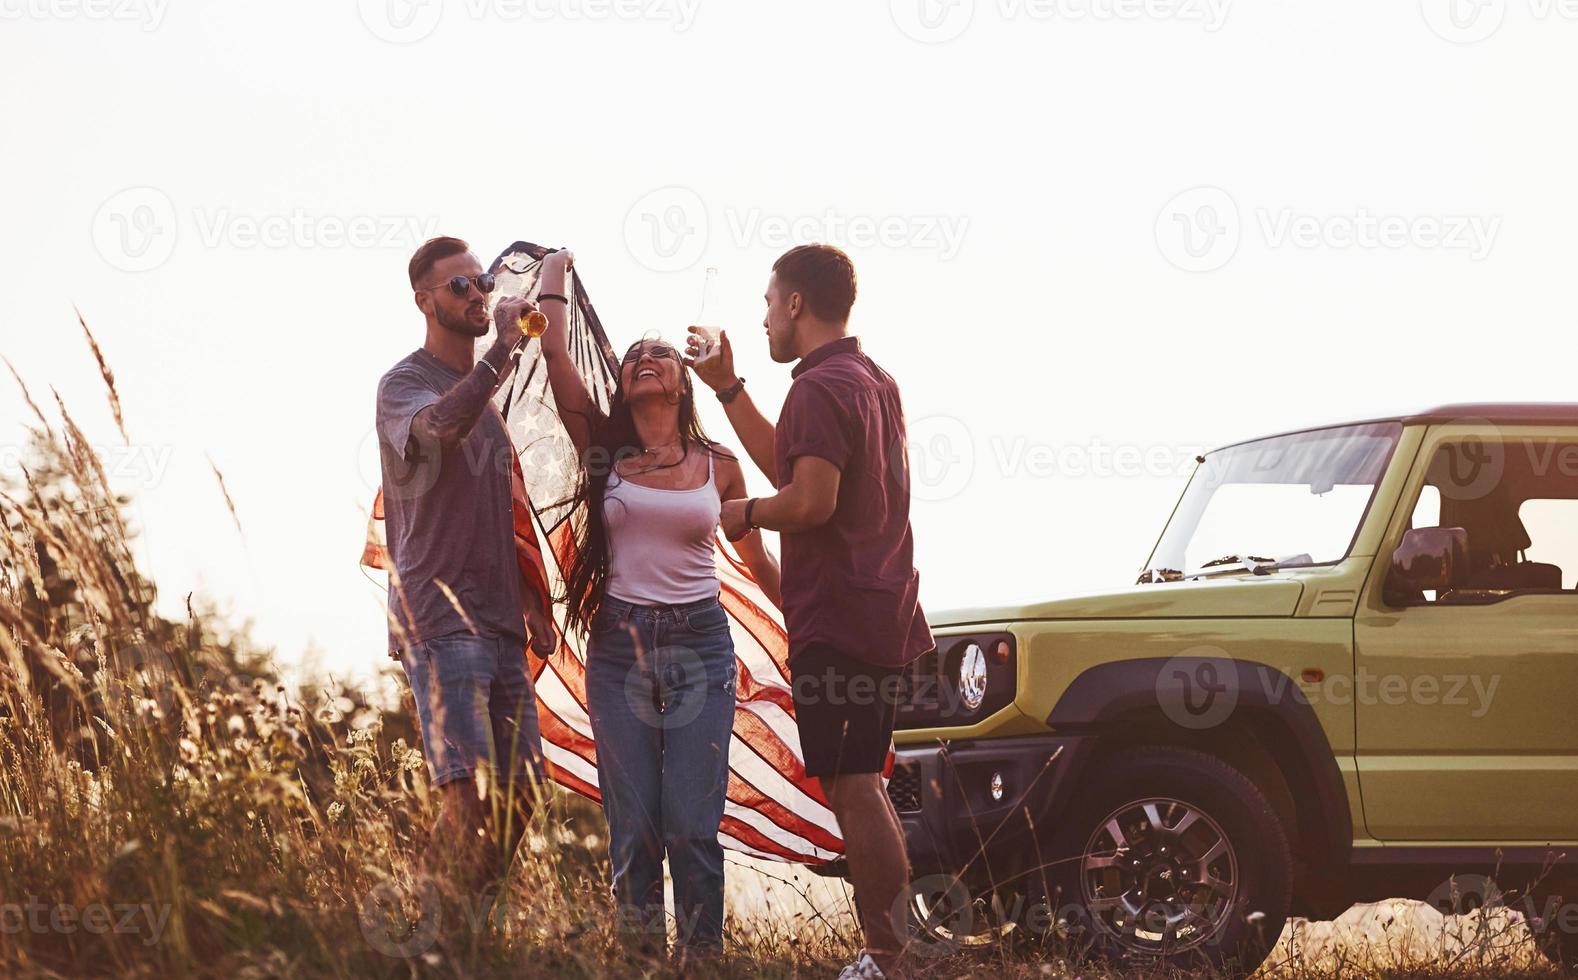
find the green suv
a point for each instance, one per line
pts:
(1348, 672)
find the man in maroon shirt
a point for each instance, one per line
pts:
(839, 459)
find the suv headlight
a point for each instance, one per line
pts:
(972, 677)
(965, 678)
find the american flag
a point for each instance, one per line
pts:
(774, 810)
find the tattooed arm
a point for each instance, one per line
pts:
(449, 420)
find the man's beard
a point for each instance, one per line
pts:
(780, 349)
(461, 324)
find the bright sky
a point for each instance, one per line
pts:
(1081, 226)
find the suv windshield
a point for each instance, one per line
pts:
(1286, 501)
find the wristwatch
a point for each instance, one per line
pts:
(732, 392)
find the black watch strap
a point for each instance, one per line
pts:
(732, 391)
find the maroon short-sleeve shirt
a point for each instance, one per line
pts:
(851, 583)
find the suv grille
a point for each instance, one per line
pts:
(904, 789)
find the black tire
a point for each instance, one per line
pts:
(1229, 921)
(1561, 948)
(1553, 927)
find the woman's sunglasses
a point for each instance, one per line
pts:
(656, 350)
(461, 285)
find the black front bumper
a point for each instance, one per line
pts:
(943, 793)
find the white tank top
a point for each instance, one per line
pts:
(660, 542)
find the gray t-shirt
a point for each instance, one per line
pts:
(447, 513)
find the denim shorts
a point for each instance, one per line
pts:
(475, 702)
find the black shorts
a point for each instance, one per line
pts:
(845, 710)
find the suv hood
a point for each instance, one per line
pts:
(1216, 598)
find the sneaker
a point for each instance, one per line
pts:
(864, 968)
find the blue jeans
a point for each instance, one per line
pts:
(475, 702)
(660, 691)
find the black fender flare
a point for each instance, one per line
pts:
(1199, 693)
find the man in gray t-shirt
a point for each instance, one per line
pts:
(447, 513)
(458, 616)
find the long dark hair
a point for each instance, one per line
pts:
(613, 438)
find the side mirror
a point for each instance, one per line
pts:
(1429, 559)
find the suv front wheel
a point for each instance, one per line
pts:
(1172, 855)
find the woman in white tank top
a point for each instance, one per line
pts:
(660, 665)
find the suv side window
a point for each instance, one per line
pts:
(1518, 501)
(1553, 526)
(1427, 513)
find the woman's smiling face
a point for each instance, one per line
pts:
(651, 367)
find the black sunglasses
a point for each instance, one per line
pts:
(461, 285)
(657, 350)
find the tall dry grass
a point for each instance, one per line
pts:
(169, 809)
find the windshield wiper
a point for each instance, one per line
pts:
(1235, 560)
(1153, 575)
(1251, 563)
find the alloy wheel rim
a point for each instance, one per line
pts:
(1159, 875)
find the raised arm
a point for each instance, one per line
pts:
(750, 425)
(449, 420)
(574, 402)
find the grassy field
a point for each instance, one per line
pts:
(169, 809)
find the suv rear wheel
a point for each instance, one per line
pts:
(1172, 855)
